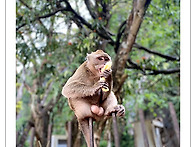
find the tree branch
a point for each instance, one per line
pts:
(132, 27)
(133, 65)
(150, 70)
(51, 103)
(100, 31)
(28, 88)
(25, 4)
(40, 17)
(89, 6)
(152, 83)
(155, 53)
(119, 35)
(48, 89)
(21, 141)
(165, 72)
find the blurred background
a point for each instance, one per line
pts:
(52, 40)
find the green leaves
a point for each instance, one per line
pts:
(51, 49)
(87, 43)
(18, 106)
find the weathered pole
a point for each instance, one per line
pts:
(91, 132)
(32, 137)
(115, 128)
(141, 116)
(175, 121)
(69, 141)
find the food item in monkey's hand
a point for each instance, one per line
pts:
(107, 66)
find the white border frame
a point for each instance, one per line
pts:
(185, 73)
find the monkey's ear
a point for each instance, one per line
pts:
(87, 57)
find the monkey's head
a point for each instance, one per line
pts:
(97, 60)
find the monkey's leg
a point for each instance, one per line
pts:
(82, 110)
(110, 105)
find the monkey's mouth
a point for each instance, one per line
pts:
(100, 68)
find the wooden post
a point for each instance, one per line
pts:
(175, 121)
(32, 137)
(49, 135)
(156, 125)
(115, 128)
(141, 116)
(91, 132)
(69, 141)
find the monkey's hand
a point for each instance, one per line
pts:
(104, 84)
(97, 86)
(118, 109)
(100, 84)
(106, 74)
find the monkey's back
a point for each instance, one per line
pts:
(78, 85)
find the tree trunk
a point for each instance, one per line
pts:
(41, 128)
(99, 127)
(77, 142)
(32, 137)
(21, 140)
(109, 138)
(75, 139)
(50, 127)
(132, 27)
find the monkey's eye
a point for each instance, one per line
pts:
(106, 59)
(100, 58)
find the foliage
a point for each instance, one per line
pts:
(159, 32)
(127, 139)
(51, 49)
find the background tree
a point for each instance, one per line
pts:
(53, 38)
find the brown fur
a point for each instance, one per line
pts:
(83, 90)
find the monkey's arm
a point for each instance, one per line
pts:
(75, 88)
(83, 83)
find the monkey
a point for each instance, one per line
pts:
(85, 95)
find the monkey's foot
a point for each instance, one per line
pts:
(97, 110)
(118, 109)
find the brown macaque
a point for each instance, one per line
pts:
(85, 95)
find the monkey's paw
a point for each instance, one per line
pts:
(103, 84)
(106, 73)
(98, 86)
(118, 109)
